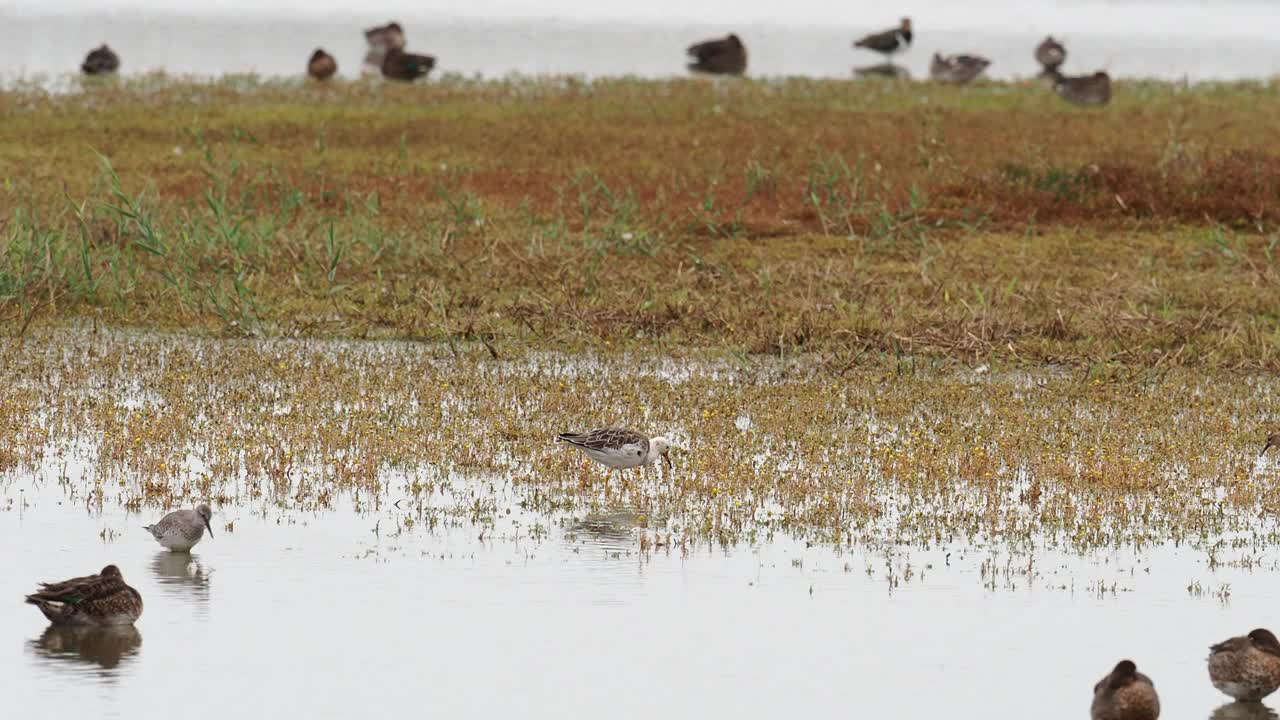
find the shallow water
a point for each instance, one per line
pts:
(332, 614)
(1161, 40)
(489, 595)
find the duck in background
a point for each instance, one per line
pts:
(956, 69)
(321, 66)
(1050, 54)
(400, 65)
(381, 39)
(1125, 694)
(889, 42)
(101, 61)
(1247, 667)
(726, 56)
(1092, 89)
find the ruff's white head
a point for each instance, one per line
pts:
(659, 447)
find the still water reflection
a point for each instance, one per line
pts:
(105, 647)
(1243, 711)
(328, 614)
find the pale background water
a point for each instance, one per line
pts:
(492, 38)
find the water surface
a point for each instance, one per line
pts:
(487, 594)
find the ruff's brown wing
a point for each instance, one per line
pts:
(606, 439)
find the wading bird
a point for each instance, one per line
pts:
(180, 530)
(619, 448)
(888, 42)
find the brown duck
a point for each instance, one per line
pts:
(727, 56)
(888, 42)
(1125, 694)
(321, 66)
(1092, 89)
(101, 61)
(1050, 54)
(1246, 667)
(102, 599)
(385, 36)
(956, 69)
(400, 65)
(381, 39)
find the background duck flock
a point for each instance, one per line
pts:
(386, 56)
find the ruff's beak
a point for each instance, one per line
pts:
(207, 525)
(666, 458)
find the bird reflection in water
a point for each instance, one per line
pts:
(103, 645)
(611, 524)
(181, 573)
(1244, 711)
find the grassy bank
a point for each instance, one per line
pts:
(852, 220)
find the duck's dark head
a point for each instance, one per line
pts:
(318, 54)
(111, 571)
(906, 25)
(734, 40)
(1124, 673)
(1264, 638)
